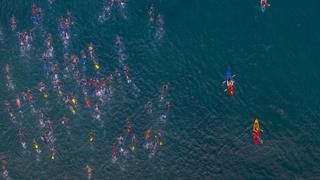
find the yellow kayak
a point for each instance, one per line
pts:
(256, 125)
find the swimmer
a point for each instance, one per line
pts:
(69, 17)
(20, 38)
(41, 119)
(64, 120)
(149, 106)
(83, 57)
(5, 173)
(8, 69)
(53, 153)
(109, 7)
(39, 13)
(160, 31)
(151, 13)
(36, 146)
(148, 133)
(91, 137)
(159, 138)
(22, 139)
(129, 129)
(89, 171)
(8, 72)
(61, 25)
(84, 90)
(8, 108)
(165, 88)
(50, 124)
(90, 49)
(18, 102)
(117, 73)
(96, 65)
(49, 41)
(74, 59)
(114, 153)
(42, 89)
(110, 78)
(122, 3)
(31, 34)
(34, 9)
(25, 97)
(88, 105)
(26, 39)
(97, 112)
(126, 73)
(13, 23)
(72, 110)
(104, 83)
(154, 145)
(160, 21)
(9, 84)
(66, 59)
(118, 40)
(60, 93)
(74, 101)
(167, 106)
(120, 141)
(30, 95)
(133, 142)
(45, 137)
(67, 100)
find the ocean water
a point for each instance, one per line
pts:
(207, 133)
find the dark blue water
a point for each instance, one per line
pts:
(207, 133)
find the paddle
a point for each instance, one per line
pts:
(223, 82)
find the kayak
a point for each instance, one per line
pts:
(256, 132)
(263, 4)
(230, 83)
(256, 125)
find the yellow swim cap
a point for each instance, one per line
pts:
(161, 143)
(73, 111)
(91, 139)
(45, 95)
(97, 66)
(36, 146)
(52, 156)
(74, 100)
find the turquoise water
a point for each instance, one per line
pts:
(207, 134)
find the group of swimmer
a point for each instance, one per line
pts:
(159, 21)
(64, 28)
(91, 92)
(36, 16)
(108, 8)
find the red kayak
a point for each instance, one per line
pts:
(256, 137)
(256, 132)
